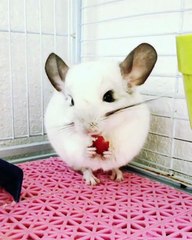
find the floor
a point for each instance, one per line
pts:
(57, 204)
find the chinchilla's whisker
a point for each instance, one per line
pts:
(65, 127)
(70, 125)
(130, 106)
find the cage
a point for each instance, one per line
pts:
(80, 31)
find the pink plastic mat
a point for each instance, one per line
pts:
(57, 204)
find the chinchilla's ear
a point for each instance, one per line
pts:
(56, 70)
(138, 64)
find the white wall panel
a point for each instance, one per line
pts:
(158, 144)
(154, 159)
(182, 167)
(162, 107)
(183, 130)
(157, 84)
(61, 16)
(33, 16)
(161, 125)
(181, 108)
(47, 16)
(62, 46)
(187, 4)
(88, 3)
(187, 20)
(4, 10)
(47, 48)
(34, 84)
(182, 150)
(166, 65)
(141, 25)
(16, 15)
(121, 47)
(121, 9)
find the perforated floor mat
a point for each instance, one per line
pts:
(57, 204)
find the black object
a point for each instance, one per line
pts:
(11, 178)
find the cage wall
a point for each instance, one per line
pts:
(29, 31)
(83, 30)
(111, 29)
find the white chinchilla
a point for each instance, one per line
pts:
(91, 99)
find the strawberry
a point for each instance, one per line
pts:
(100, 144)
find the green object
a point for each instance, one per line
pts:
(184, 57)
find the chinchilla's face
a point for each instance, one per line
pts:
(96, 88)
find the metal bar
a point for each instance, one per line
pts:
(182, 160)
(158, 170)
(155, 94)
(26, 71)
(100, 4)
(121, 56)
(135, 36)
(41, 70)
(169, 117)
(33, 33)
(182, 173)
(24, 149)
(175, 93)
(157, 165)
(78, 21)
(22, 136)
(32, 158)
(136, 16)
(11, 76)
(167, 136)
(156, 152)
(159, 134)
(165, 155)
(152, 163)
(55, 26)
(69, 33)
(72, 34)
(160, 175)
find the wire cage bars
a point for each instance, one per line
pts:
(86, 30)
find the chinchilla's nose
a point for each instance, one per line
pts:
(88, 122)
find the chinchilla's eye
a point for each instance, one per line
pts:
(70, 101)
(109, 96)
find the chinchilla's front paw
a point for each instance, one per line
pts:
(91, 152)
(107, 155)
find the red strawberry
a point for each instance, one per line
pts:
(100, 144)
